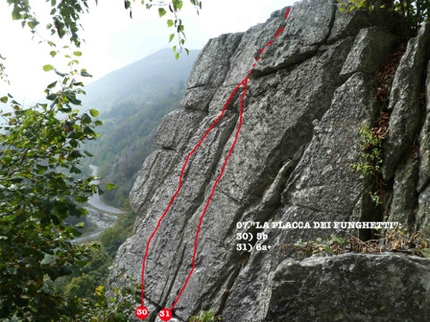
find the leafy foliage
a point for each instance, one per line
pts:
(100, 307)
(415, 12)
(114, 237)
(371, 152)
(371, 140)
(391, 240)
(65, 16)
(40, 149)
(173, 21)
(205, 317)
(40, 156)
(3, 75)
(86, 279)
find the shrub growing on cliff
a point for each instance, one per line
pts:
(205, 316)
(415, 12)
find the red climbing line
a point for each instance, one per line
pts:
(244, 82)
(166, 314)
(180, 186)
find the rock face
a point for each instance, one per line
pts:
(342, 288)
(307, 99)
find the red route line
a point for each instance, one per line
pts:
(242, 99)
(180, 184)
(143, 312)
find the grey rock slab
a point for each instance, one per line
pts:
(304, 32)
(405, 197)
(424, 141)
(324, 179)
(278, 119)
(369, 50)
(291, 163)
(249, 47)
(207, 289)
(406, 117)
(155, 169)
(198, 98)
(350, 23)
(176, 128)
(172, 247)
(322, 188)
(213, 62)
(422, 217)
(348, 287)
(209, 71)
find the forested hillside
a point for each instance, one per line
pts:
(147, 80)
(132, 101)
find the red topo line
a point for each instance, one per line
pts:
(243, 83)
(193, 261)
(279, 32)
(180, 186)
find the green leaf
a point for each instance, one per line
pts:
(84, 73)
(171, 37)
(170, 23)
(86, 119)
(88, 154)
(60, 74)
(110, 186)
(338, 239)
(53, 53)
(32, 24)
(100, 290)
(76, 154)
(177, 55)
(82, 263)
(161, 12)
(48, 67)
(51, 97)
(4, 99)
(77, 53)
(177, 4)
(425, 252)
(88, 131)
(52, 85)
(94, 112)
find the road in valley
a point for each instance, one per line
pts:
(100, 206)
(95, 201)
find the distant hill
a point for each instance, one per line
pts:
(148, 79)
(132, 102)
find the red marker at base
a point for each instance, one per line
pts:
(141, 312)
(165, 314)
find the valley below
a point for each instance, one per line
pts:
(100, 215)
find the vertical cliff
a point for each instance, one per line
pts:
(308, 98)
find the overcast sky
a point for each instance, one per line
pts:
(113, 40)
